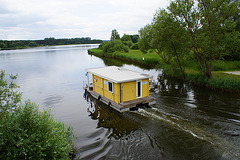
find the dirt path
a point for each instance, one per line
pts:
(234, 72)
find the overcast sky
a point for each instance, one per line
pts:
(37, 19)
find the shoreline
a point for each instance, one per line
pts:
(27, 47)
(226, 81)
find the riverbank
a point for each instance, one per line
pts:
(221, 79)
(150, 60)
(23, 44)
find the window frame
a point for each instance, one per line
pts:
(110, 84)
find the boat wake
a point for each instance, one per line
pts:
(228, 148)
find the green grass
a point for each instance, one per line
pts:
(225, 65)
(136, 56)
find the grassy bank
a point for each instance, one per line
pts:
(220, 80)
(134, 56)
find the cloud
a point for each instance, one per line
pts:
(34, 19)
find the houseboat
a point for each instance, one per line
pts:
(119, 88)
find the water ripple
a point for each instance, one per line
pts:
(51, 100)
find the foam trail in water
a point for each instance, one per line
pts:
(227, 147)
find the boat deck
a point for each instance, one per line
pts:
(123, 106)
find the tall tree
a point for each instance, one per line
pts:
(145, 38)
(115, 35)
(169, 38)
(166, 37)
(126, 37)
(207, 23)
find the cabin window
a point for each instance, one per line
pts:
(105, 82)
(139, 89)
(110, 86)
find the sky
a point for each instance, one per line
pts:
(38, 19)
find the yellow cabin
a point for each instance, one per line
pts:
(120, 88)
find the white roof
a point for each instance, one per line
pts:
(117, 74)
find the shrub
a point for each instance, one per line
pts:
(127, 43)
(113, 46)
(134, 46)
(26, 132)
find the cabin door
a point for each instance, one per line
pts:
(139, 89)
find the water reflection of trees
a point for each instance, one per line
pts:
(170, 86)
(116, 122)
(120, 63)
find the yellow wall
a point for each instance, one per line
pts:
(128, 91)
(100, 86)
(97, 84)
(145, 87)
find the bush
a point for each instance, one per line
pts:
(134, 46)
(26, 132)
(113, 46)
(127, 43)
(225, 65)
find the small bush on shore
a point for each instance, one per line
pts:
(26, 132)
(114, 46)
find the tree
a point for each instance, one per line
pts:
(165, 37)
(33, 44)
(2, 45)
(145, 38)
(9, 98)
(114, 35)
(126, 37)
(50, 41)
(134, 38)
(205, 24)
(169, 38)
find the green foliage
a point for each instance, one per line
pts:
(114, 46)
(221, 82)
(135, 56)
(126, 37)
(144, 38)
(209, 24)
(30, 134)
(225, 65)
(9, 97)
(26, 132)
(227, 83)
(205, 27)
(230, 49)
(134, 38)
(134, 46)
(33, 44)
(114, 35)
(127, 43)
(3, 45)
(171, 70)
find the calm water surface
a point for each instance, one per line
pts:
(188, 122)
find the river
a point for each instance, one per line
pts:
(187, 122)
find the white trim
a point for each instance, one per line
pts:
(137, 89)
(117, 74)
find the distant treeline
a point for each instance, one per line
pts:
(18, 44)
